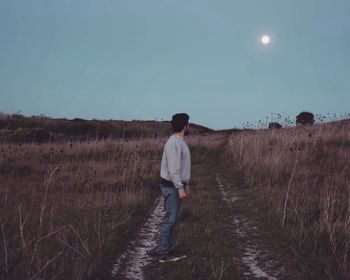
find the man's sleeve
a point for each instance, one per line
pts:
(173, 155)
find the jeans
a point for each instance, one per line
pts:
(172, 213)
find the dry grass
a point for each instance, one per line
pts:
(65, 205)
(302, 174)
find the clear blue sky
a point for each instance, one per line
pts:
(148, 59)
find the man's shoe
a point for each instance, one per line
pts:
(157, 252)
(174, 252)
(172, 256)
(164, 258)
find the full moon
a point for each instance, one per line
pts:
(265, 39)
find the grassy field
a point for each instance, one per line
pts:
(68, 208)
(301, 176)
(65, 207)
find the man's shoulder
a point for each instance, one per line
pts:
(173, 141)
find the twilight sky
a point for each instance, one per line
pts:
(149, 59)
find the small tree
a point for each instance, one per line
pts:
(274, 125)
(305, 118)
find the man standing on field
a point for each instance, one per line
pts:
(175, 174)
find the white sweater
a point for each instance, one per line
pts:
(176, 162)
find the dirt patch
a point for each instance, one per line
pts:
(260, 261)
(131, 262)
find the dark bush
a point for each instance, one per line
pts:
(305, 118)
(274, 125)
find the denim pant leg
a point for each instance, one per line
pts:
(172, 242)
(171, 207)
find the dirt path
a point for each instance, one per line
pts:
(226, 244)
(130, 263)
(260, 261)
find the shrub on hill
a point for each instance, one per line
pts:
(274, 125)
(305, 118)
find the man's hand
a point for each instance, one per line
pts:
(182, 194)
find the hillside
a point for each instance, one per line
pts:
(37, 129)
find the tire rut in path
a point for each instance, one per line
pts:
(260, 262)
(131, 262)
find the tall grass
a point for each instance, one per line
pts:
(65, 205)
(302, 174)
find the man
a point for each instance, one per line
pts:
(175, 174)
